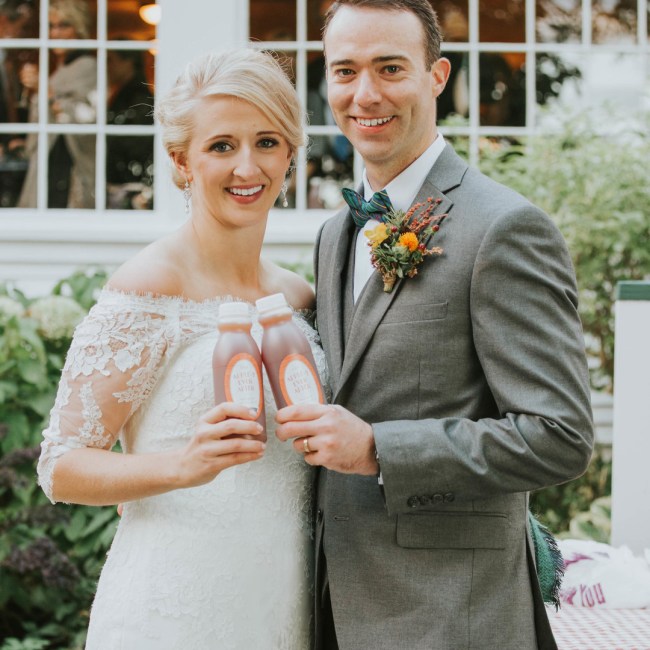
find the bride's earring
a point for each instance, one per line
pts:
(283, 192)
(187, 195)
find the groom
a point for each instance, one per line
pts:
(456, 393)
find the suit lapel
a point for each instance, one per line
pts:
(331, 282)
(374, 301)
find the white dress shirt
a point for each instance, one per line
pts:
(402, 191)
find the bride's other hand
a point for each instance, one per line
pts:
(225, 436)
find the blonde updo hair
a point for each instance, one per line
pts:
(255, 77)
(75, 12)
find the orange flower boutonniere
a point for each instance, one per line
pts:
(398, 244)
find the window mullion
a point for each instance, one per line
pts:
(301, 88)
(100, 147)
(531, 66)
(43, 107)
(474, 81)
(586, 23)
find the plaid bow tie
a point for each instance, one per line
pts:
(363, 210)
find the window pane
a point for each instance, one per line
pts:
(454, 99)
(502, 82)
(71, 171)
(559, 79)
(72, 87)
(454, 22)
(330, 162)
(614, 22)
(317, 107)
(129, 95)
(316, 10)
(502, 21)
(558, 21)
(129, 172)
(131, 20)
(17, 66)
(272, 20)
(13, 168)
(19, 19)
(73, 20)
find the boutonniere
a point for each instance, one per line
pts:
(398, 243)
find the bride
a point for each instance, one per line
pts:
(213, 548)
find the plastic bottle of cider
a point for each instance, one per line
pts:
(287, 356)
(237, 362)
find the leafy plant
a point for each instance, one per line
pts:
(595, 187)
(50, 557)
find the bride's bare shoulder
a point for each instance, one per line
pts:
(154, 270)
(297, 290)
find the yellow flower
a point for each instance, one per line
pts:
(377, 235)
(409, 240)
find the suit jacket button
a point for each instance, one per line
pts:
(425, 500)
(319, 515)
(438, 498)
(449, 497)
(413, 502)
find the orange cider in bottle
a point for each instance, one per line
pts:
(237, 362)
(286, 354)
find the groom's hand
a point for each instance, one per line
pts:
(330, 436)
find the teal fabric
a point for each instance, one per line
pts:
(362, 210)
(548, 560)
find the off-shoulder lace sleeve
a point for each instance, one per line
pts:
(114, 361)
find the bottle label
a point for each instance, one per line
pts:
(299, 381)
(243, 383)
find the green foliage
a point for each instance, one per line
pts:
(595, 523)
(557, 507)
(50, 557)
(596, 189)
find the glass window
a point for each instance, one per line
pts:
(559, 21)
(507, 75)
(502, 21)
(614, 22)
(76, 118)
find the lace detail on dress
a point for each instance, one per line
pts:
(92, 432)
(112, 366)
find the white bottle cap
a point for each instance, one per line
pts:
(230, 310)
(274, 302)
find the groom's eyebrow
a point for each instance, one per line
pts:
(378, 59)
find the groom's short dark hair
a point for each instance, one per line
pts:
(422, 10)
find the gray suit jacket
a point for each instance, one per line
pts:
(474, 378)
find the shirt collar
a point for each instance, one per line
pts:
(403, 189)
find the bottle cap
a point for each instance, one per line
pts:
(274, 302)
(230, 310)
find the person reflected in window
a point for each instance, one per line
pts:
(128, 159)
(16, 20)
(72, 90)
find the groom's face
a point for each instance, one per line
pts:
(380, 90)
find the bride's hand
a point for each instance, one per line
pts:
(225, 436)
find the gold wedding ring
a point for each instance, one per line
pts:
(305, 446)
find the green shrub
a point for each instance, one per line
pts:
(596, 189)
(50, 557)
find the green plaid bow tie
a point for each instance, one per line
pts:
(363, 210)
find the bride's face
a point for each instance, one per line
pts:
(236, 162)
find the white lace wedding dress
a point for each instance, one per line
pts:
(225, 565)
